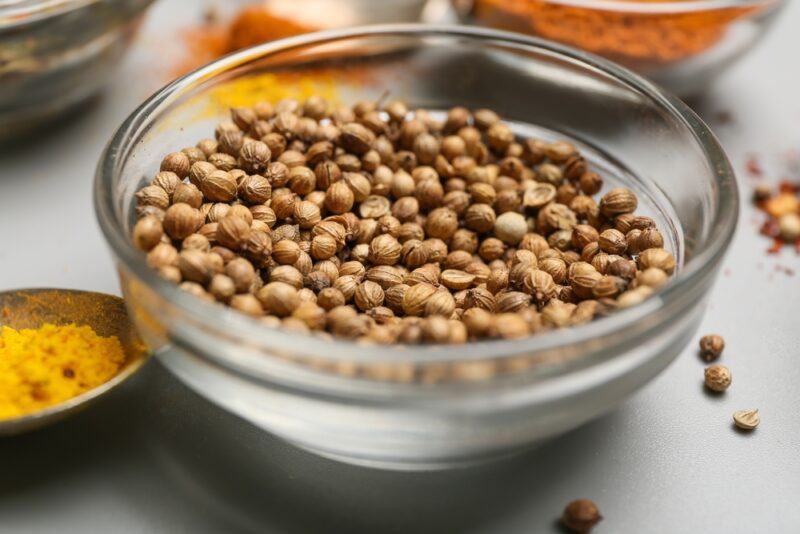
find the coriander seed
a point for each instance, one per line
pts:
(222, 287)
(385, 250)
(711, 347)
(219, 186)
(194, 266)
(167, 181)
(440, 303)
(181, 220)
(510, 227)
(278, 298)
(385, 225)
(618, 201)
(247, 304)
(176, 162)
(581, 516)
(717, 378)
(746, 419)
(652, 277)
(658, 258)
(233, 232)
(612, 241)
(147, 233)
(152, 195)
(242, 273)
(162, 255)
(330, 297)
(339, 198)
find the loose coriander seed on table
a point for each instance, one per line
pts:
(711, 347)
(580, 516)
(718, 378)
(746, 419)
(386, 225)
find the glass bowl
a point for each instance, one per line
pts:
(433, 406)
(681, 44)
(54, 54)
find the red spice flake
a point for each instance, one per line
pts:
(785, 186)
(754, 167)
(68, 373)
(770, 228)
(777, 245)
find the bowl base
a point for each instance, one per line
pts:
(420, 465)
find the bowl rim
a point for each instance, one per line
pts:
(662, 6)
(242, 327)
(18, 13)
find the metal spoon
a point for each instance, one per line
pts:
(105, 314)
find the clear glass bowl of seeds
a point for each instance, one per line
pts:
(56, 54)
(539, 126)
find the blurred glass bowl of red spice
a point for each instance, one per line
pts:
(54, 54)
(681, 44)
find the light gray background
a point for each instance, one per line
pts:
(156, 458)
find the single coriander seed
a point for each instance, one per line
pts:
(581, 516)
(718, 378)
(711, 347)
(746, 419)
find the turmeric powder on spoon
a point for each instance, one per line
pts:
(43, 367)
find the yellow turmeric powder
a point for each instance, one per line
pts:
(51, 364)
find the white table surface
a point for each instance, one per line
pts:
(146, 459)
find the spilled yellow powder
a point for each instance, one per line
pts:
(271, 87)
(247, 91)
(48, 365)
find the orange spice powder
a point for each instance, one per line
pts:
(251, 26)
(638, 39)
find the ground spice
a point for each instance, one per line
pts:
(257, 23)
(51, 364)
(217, 36)
(251, 26)
(642, 39)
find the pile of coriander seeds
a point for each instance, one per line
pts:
(381, 224)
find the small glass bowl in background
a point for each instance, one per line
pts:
(55, 54)
(419, 407)
(680, 44)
